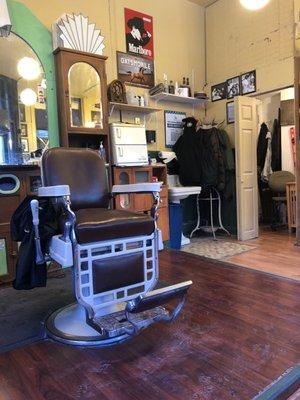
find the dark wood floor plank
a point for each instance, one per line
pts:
(239, 331)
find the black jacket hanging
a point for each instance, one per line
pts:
(213, 160)
(188, 152)
(276, 147)
(28, 273)
(262, 145)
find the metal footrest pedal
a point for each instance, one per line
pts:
(119, 323)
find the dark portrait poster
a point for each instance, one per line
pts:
(139, 33)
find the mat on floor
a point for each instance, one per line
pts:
(22, 311)
(287, 386)
(215, 249)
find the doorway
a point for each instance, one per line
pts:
(272, 114)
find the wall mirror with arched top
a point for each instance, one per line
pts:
(85, 96)
(23, 104)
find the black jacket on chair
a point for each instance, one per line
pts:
(28, 274)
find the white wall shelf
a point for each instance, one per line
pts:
(177, 99)
(131, 108)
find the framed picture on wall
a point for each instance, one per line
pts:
(230, 112)
(96, 118)
(219, 92)
(24, 132)
(134, 70)
(233, 87)
(248, 82)
(76, 111)
(173, 126)
(25, 147)
(22, 114)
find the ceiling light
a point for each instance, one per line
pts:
(254, 4)
(29, 68)
(28, 97)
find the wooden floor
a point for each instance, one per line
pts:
(239, 331)
(275, 253)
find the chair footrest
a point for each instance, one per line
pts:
(117, 324)
(158, 297)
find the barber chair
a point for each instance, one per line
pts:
(114, 254)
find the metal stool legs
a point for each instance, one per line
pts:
(214, 195)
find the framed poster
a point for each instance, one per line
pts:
(139, 33)
(24, 143)
(248, 82)
(233, 87)
(136, 71)
(173, 126)
(219, 92)
(23, 128)
(230, 112)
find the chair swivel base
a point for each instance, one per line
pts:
(68, 325)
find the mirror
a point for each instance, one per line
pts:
(23, 106)
(85, 96)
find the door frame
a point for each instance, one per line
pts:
(297, 127)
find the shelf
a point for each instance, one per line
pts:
(177, 99)
(132, 108)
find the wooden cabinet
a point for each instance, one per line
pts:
(141, 202)
(27, 180)
(82, 99)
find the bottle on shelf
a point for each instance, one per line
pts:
(183, 89)
(171, 88)
(102, 152)
(165, 83)
(176, 88)
(188, 86)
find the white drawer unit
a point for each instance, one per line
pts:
(129, 146)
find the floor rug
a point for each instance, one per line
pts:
(215, 249)
(22, 311)
(287, 386)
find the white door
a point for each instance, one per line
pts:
(246, 130)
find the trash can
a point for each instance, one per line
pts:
(175, 223)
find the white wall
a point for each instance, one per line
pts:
(239, 40)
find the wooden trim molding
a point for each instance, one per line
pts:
(297, 125)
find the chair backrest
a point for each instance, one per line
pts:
(279, 179)
(83, 170)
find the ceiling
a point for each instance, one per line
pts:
(203, 3)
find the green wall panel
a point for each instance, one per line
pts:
(3, 262)
(39, 38)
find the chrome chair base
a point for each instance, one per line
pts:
(68, 325)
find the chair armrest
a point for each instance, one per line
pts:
(54, 191)
(152, 187)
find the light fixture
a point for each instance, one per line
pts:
(254, 4)
(28, 97)
(29, 68)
